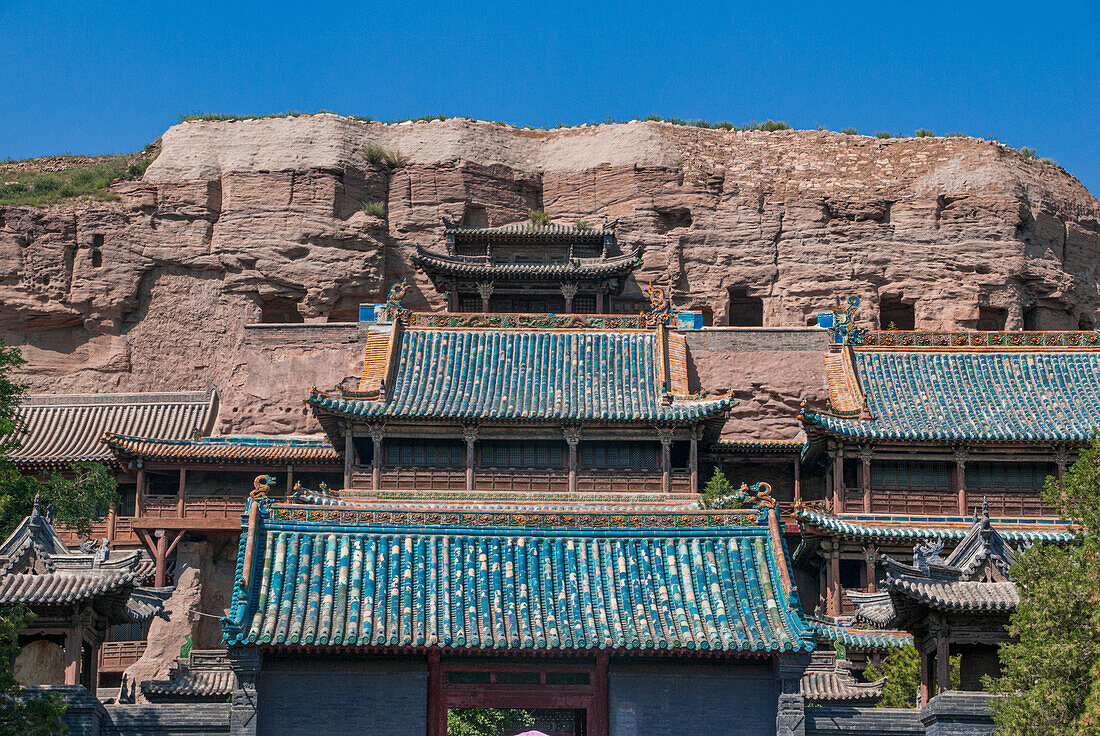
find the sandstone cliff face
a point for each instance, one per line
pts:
(236, 220)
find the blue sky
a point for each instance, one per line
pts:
(86, 77)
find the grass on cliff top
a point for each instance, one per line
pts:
(43, 181)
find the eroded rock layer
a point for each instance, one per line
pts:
(241, 221)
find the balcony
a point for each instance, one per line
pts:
(529, 480)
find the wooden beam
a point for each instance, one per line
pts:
(797, 478)
(943, 664)
(693, 461)
(349, 452)
(161, 558)
(925, 674)
(139, 500)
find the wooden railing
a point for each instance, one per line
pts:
(200, 507)
(521, 479)
(630, 481)
(946, 503)
(124, 533)
(116, 656)
(1004, 503)
(411, 479)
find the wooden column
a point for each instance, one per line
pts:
(925, 677)
(943, 664)
(181, 496)
(485, 288)
(599, 718)
(693, 460)
(376, 435)
(960, 478)
(91, 677)
(349, 455)
(289, 479)
(870, 557)
(834, 581)
(865, 478)
(599, 301)
(452, 300)
(572, 438)
(665, 437)
(139, 494)
(797, 478)
(838, 481)
(437, 714)
(161, 558)
(470, 435)
(112, 519)
(568, 291)
(74, 640)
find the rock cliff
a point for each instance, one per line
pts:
(238, 221)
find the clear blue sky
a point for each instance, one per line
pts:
(95, 77)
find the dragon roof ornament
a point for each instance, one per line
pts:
(838, 321)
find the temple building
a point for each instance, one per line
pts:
(503, 509)
(533, 269)
(922, 429)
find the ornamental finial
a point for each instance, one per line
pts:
(394, 310)
(660, 312)
(838, 321)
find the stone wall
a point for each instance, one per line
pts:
(238, 220)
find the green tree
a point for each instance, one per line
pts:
(717, 492)
(77, 502)
(485, 721)
(901, 668)
(1050, 671)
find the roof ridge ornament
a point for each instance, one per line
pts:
(394, 311)
(660, 312)
(838, 322)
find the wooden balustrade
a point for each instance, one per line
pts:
(536, 479)
(116, 656)
(1010, 504)
(420, 478)
(195, 507)
(938, 503)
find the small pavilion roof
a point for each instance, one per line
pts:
(913, 528)
(529, 232)
(857, 637)
(521, 374)
(226, 449)
(830, 680)
(205, 675)
(38, 570)
(60, 429)
(485, 267)
(707, 589)
(946, 387)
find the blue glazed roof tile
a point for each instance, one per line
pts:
(318, 584)
(526, 374)
(917, 528)
(993, 395)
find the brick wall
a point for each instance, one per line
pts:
(681, 699)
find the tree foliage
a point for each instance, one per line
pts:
(486, 721)
(901, 668)
(1050, 672)
(718, 492)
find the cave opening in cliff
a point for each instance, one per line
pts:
(991, 319)
(894, 314)
(280, 309)
(745, 310)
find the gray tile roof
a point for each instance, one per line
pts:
(830, 680)
(970, 596)
(874, 609)
(67, 428)
(62, 588)
(205, 674)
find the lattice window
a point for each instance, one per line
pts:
(1010, 477)
(584, 304)
(425, 453)
(508, 454)
(638, 455)
(911, 475)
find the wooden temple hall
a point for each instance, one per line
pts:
(503, 510)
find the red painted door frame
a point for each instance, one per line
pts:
(445, 692)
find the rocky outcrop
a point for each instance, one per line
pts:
(241, 221)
